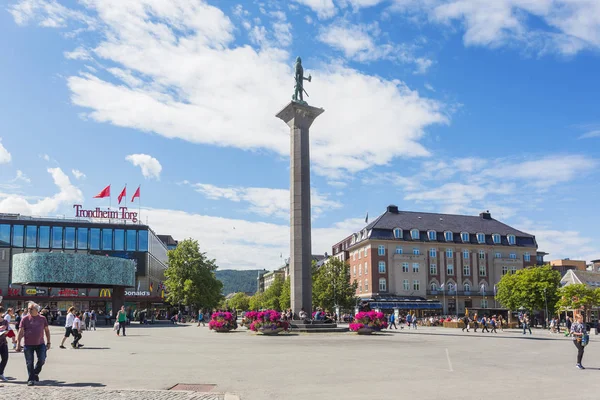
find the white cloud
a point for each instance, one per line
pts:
(45, 157)
(21, 177)
(46, 13)
(562, 26)
(79, 53)
(563, 244)
(265, 201)
(203, 80)
(5, 156)
(241, 244)
(78, 174)
(150, 166)
(358, 4)
(429, 87)
(324, 8)
(67, 195)
(590, 134)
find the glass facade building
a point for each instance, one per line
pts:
(21, 234)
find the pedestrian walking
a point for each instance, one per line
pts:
(466, 322)
(86, 320)
(526, 324)
(93, 318)
(392, 321)
(579, 333)
(201, 318)
(122, 320)
(4, 327)
(408, 320)
(76, 330)
(33, 327)
(8, 317)
(68, 326)
(493, 324)
(475, 323)
(484, 323)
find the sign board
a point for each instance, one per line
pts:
(137, 293)
(41, 292)
(68, 293)
(105, 293)
(99, 213)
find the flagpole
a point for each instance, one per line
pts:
(456, 305)
(140, 204)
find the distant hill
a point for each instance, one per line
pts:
(237, 281)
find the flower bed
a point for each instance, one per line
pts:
(368, 321)
(222, 322)
(267, 322)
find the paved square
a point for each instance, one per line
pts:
(430, 363)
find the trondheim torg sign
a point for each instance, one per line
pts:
(98, 213)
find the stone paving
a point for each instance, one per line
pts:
(430, 363)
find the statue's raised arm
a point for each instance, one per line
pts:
(299, 87)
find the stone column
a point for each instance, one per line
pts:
(299, 117)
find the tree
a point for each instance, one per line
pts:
(578, 296)
(273, 293)
(239, 301)
(331, 285)
(190, 277)
(533, 288)
(257, 301)
(285, 298)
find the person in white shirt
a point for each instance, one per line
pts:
(68, 326)
(11, 334)
(76, 331)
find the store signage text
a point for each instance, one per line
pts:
(69, 292)
(138, 294)
(104, 292)
(14, 292)
(122, 213)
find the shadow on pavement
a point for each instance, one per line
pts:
(53, 383)
(524, 337)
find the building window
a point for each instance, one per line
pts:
(107, 239)
(381, 250)
(143, 241)
(119, 239)
(464, 236)
(433, 269)
(31, 236)
(382, 267)
(44, 233)
(405, 267)
(451, 287)
(360, 270)
(449, 236)
(414, 234)
(467, 287)
(434, 287)
(57, 237)
(415, 267)
(432, 253)
(416, 252)
(355, 270)
(416, 285)
(480, 238)
(466, 270)
(481, 255)
(398, 250)
(466, 254)
(513, 270)
(382, 285)
(366, 285)
(511, 239)
(366, 251)
(5, 235)
(398, 233)
(482, 271)
(405, 285)
(17, 235)
(432, 235)
(513, 256)
(450, 269)
(497, 238)
(449, 253)
(504, 270)
(484, 303)
(69, 238)
(366, 269)
(82, 238)
(360, 254)
(498, 255)
(131, 240)
(526, 257)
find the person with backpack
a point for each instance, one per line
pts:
(526, 324)
(484, 325)
(466, 322)
(493, 324)
(578, 330)
(408, 320)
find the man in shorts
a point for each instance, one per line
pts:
(68, 326)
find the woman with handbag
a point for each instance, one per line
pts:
(579, 334)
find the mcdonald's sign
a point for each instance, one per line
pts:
(105, 293)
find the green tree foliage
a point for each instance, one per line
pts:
(273, 293)
(286, 294)
(531, 288)
(577, 296)
(239, 301)
(257, 301)
(190, 277)
(331, 286)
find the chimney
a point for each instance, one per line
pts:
(392, 209)
(486, 215)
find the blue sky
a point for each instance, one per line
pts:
(450, 106)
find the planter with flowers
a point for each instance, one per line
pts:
(365, 323)
(222, 322)
(267, 322)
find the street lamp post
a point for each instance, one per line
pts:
(546, 301)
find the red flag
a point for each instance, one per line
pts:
(123, 194)
(104, 193)
(136, 194)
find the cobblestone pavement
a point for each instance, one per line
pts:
(11, 391)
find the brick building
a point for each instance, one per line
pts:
(410, 255)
